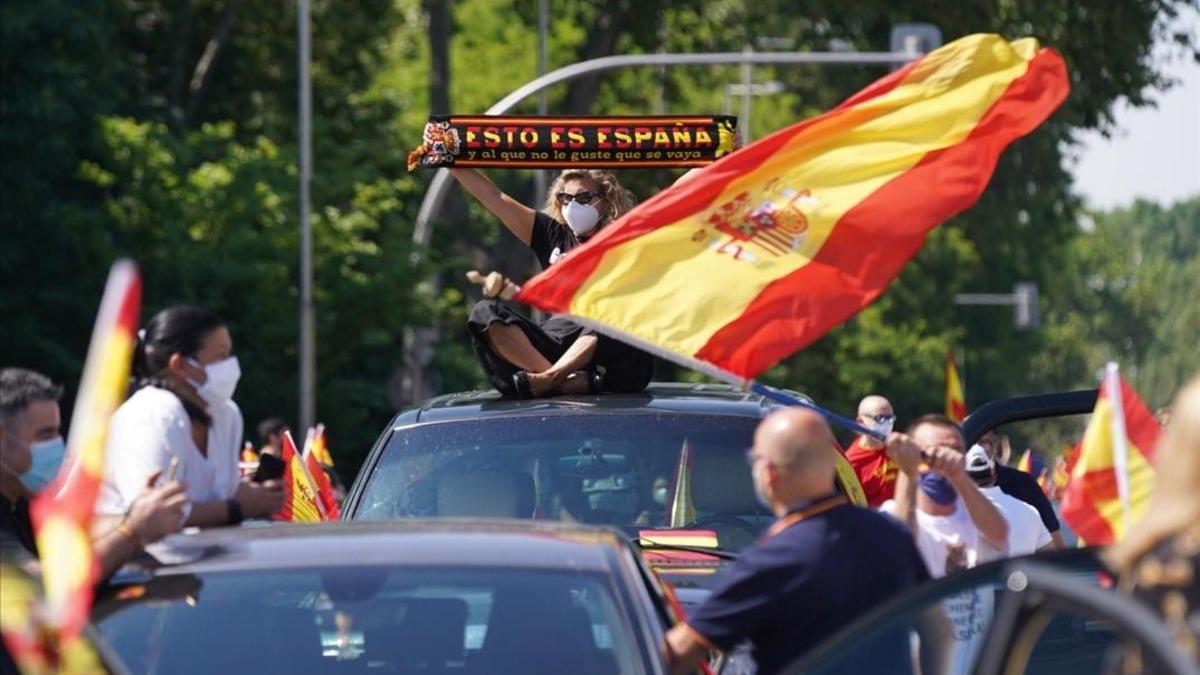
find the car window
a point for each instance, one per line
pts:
(946, 631)
(1068, 642)
(632, 471)
(374, 619)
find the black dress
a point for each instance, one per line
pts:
(621, 368)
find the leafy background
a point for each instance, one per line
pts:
(166, 131)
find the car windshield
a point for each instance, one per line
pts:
(372, 619)
(637, 472)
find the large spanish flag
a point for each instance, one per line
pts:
(956, 402)
(62, 512)
(762, 252)
(1113, 477)
(300, 502)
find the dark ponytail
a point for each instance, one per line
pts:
(182, 330)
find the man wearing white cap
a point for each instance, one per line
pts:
(1026, 532)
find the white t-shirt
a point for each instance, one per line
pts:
(1026, 531)
(152, 427)
(947, 543)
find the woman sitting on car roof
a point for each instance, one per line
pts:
(556, 356)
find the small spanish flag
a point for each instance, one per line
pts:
(300, 503)
(320, 479)
(62, 512)
(1028, 462)
(683, 512)
(759, 254)
(1113, 477)
(320, 447)
(956, 402)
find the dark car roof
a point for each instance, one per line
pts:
(440, 542)
(677, 397)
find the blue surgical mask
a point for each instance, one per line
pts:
(937, 488)
(47, 460)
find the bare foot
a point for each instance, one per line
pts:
(542, 384)
(576, 383)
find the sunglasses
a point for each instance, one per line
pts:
(584, 197)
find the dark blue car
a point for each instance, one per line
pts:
(415, 596)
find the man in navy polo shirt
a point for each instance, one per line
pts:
(820, 566)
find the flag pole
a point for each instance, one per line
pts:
(834, 418)
(1112, 380)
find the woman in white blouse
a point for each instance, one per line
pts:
(182, 408)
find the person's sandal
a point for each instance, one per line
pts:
(521, 384)
(595, 380)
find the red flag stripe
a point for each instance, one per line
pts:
(769, 327)
(1079, 509)
(576, 266)
(1140, 425)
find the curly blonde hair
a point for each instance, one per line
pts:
(615, 203)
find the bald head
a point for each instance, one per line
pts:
(795, 458)
(873, 411)
(794, 438)
(875, 405)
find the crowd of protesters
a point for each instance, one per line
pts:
(172, 460)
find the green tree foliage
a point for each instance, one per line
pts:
(166, 131)
(1136, 277)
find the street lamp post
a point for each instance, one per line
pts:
(308, 357)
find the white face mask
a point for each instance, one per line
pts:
(884, 427)
(581, 218)
(222, 378)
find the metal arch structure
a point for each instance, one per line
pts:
(414, 384)
(436, 193)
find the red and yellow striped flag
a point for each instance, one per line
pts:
(762, 252)
(62, 512)
(320, 447)
(956, 402)
(320, 479)
(1113, 476)
(300, 502)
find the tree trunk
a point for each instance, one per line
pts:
(417, 379)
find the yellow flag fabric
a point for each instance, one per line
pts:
(788, 237)
(1092, 503)
(62, 512)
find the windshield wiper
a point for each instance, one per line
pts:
(714, 552)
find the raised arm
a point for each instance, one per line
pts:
(517, 217)
(907, 456)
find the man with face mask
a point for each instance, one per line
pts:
(821, 565)
(1026, 532)
(954, 525)
(876, 471)
(952, 520)
(31, 454)
(1017, 483)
